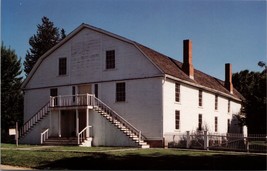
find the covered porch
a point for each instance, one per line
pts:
(71, 114)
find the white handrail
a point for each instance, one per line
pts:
(80, 134)
(44, 135)
(116, 116)
(72, 100)
(34, 119)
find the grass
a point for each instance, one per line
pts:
(108, 158)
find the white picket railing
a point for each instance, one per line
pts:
(34, 119)
(44, 135)
(216, 141)
(91, 100)
(72, 100)
(82, 134)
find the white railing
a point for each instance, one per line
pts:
(82, 135)
(72, 100)
(34, 119)
(44, 136)
(91, 100)
(116, 117)
(216, 141)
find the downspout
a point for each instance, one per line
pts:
(162, 109)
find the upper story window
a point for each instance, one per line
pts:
(120, 92)
(62, 66)
(200, 99)
(110, 59)
(177, 92)
(216, 102)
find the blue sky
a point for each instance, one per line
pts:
(222, 31)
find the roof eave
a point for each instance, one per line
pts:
(204, 88)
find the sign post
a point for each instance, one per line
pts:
(16, 133)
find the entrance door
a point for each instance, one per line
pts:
(68, 123)
(84, 89)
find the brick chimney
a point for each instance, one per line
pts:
(187, 63)
(228, 78)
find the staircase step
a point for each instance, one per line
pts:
(123, 128)
(144, 146)
(61, 141)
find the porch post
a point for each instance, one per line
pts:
(59, 123)
(77, 122)
(87, 123)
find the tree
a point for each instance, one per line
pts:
(46, 37)
(252, 85)
(11, 94)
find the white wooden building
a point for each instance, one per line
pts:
(99, 88)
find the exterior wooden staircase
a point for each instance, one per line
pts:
(35, 119)
(83, 100)
(129, 130)
(71, 141)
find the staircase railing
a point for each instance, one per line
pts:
(115, 116)
(34, 119)
(91, 100)
(72, 100)
(44, 135)
(82, 134)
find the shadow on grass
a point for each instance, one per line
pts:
(101, 161)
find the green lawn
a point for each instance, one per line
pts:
(108, 158)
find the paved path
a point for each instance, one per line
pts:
(8, 167)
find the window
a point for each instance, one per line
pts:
(177, 92)
(200, 98)
(110, 59)
(73, 93)
(200, 122)
(229, 107)
(53, 93)
(216, 102)
(216, 124)
(120, 92)
(62, 66)
(96, 90)
(228, 125)
(177, 119)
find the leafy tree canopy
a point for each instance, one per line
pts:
(252, 85)
(11, 95)
(46, 37)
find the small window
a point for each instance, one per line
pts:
(177, 92)
(200, 98)
(228, 125)
(200, 122)
(110, 59)
(73, 93)
(53, 93)
(96, 90)
(120, 92)
(216, 102)
(177, 119)
(62, 66)
(229, 106)
(216, 124)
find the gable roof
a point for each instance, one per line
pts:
(164, 63)
(173, 68)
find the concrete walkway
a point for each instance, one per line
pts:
(8, 167)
